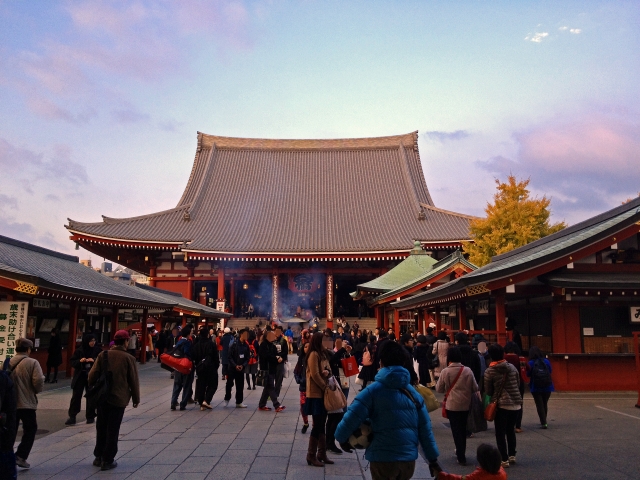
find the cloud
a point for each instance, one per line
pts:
(536, 37)
(575, 31)
(107, 45)
(25, 166)
(129, 115)
(446, 136)
(7, 202)
(590, 161)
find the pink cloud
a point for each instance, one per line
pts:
(593, 144)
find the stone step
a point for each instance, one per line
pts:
(241, 322)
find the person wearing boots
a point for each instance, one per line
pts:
(54, 359)
(318, 371)
(238, 359)
(82, 360)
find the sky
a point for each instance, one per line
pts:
(100, 101)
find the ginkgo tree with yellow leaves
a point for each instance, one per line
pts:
(514, 219)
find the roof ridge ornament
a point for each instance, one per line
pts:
(417, 249)
(421, 214)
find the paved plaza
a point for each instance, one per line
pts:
(590, 436)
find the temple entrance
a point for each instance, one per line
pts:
(344, 304)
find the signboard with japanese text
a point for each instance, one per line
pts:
(13, 325)
(635, 314)
(220, 306)
(41, 303)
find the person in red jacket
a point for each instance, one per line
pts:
(490, 467)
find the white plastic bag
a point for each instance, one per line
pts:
(286, 369)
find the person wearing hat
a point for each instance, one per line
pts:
(28, 381)
(124, 387)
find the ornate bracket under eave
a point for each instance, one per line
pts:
(477, 290)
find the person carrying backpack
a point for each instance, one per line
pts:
(540, 382)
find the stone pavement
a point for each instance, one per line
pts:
(583, 441)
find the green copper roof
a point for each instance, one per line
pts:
(436, 269)
(412, 267)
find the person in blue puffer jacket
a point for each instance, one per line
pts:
(399, 423)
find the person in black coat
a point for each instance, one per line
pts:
(8, 427)
(54, 359)
(82, 360)
(207, 361)
(161, 343)
(422, 354)
(269, 360)
(469, 357)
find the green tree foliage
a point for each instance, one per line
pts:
(513, 220)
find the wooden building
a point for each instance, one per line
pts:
(288, 226)
(54, 290)
(575, 294)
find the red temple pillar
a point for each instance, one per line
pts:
(396, 322)
(114, 322)
(329, 309)
(462, 315)
(220, 283)
(71, 341)
(501, 318)
(232, 295)
(190, 283)
(385, 319)
(380, 316)
(152, 276)
(145, 335)
(274, 296)
(438, 320)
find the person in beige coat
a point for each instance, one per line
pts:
(28, 381)
(440, 350)
(460, 383)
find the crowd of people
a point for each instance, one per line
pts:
(393, 374)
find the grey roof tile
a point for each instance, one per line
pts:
(297, 196)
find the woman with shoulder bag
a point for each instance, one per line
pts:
(501, 383)
(318, 371)
(458, 384)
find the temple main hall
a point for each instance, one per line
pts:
(290, 227)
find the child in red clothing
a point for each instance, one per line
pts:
(490, 467)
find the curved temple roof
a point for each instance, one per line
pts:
(297, 196)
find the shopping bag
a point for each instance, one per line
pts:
(475, 420)
(286, 369)
(430, 400)
(334, 399)
(349, 366)
(180, 364)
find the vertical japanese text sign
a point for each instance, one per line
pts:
(13, 324)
